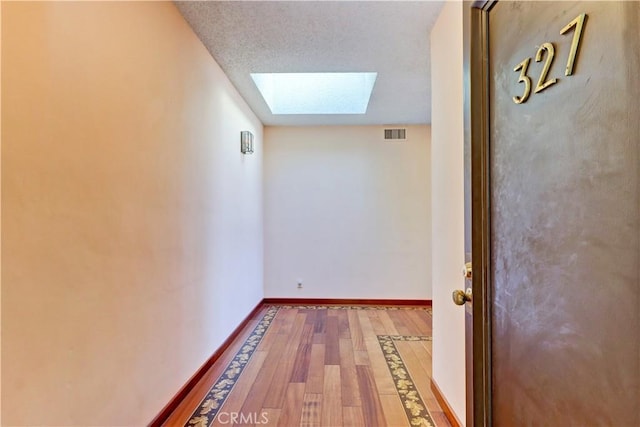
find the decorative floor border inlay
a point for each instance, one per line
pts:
(208, 408)
(414, 406)
(353, 307)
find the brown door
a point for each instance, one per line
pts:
(556, 213)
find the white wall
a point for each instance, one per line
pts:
(347, 213)
(132, 224)
(447, 202)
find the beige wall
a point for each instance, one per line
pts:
(447, 203)
(347, 213)
(132, 225)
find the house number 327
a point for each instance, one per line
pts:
(547, 53)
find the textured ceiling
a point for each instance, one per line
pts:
(388, 37)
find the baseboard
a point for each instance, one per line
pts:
(164, 414)
(323, 301)
(446, 408)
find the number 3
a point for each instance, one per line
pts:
(523, 67)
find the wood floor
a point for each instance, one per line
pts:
(321, 366)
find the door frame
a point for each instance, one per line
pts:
(476, 108)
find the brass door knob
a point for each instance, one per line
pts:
(461, 297)
(466, 271)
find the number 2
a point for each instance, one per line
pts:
(542, 85)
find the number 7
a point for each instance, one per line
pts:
(578, 23)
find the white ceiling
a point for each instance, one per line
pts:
(388, 37)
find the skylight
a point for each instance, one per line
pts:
(316, 93)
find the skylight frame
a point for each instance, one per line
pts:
(333, 93)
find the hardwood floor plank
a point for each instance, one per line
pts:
(270, 336)
(311, 315)
(311, 410)
(343, 325)
(401, 322)
(319, 338)
(424, 357)
(356, 331)
(387, 323)
(393, 410)
(315, 377)
(421, 379)
(352, 416)
(321, 321)
(376, 324)
(332, 345)
(421, 320)
(284, 369)
(303, 355)
(332, 397)
(258, 393)
(272, 333)
(361, 357)
(287, 318)
(377, 361)
(428, 347)
(240, 391)
(292, 409)
(348, 377)
(268, 417)
(333, 312)
(371, 406)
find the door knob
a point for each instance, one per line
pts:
(461, 297)
(466, 271)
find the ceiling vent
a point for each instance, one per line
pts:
(395, 134)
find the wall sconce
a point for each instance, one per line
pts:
(246, 142)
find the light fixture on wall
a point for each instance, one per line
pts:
(246, 142)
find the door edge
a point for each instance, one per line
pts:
(478, 109)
